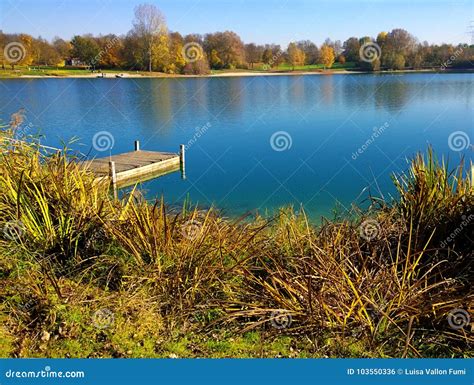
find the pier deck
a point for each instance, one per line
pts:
(136, 166)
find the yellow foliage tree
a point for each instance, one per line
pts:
(327, 56)
(296, 56)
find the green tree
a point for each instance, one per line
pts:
(351, 49)
(85, 49)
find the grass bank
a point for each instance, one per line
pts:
(84, 275)
(257, 70)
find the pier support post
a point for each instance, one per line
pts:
(137, 145)
(113, 178)
(182, 160)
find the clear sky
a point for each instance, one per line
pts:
(259, 21)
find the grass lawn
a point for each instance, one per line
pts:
(61, 71)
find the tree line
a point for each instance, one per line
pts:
(150, 46)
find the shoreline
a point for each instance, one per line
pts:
(226, 74)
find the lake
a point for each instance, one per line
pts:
(258, 143)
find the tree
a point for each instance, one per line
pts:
(267, 56)
(351, 49)
(341, 59)
(397, 46)
(215, 61)
(228, 46)
(44, 53)
(85, 49)
(177, 60)
(253, 53)
(201, 65)
(310, 50)
(62, 47)
(381, 39)
(399, 62)
(327, 56)
(149, 27)
(16, 49)
(110, 51)
(296, 56)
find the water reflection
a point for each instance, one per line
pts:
(393, 97)
(233, 161)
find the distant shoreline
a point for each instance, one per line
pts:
(125, 75)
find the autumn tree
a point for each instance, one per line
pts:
(215, 61)
(17, 49)
(44, 53)
(327, 56)
(335, 45)
(253, 54)
(296, 56)
(397, 46)
(149, 28)
(201, 65)
(310, 50)
(62, 47)
(228, 47)
(272, 55)
(177, 59)
(110, 51)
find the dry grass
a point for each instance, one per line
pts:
(388, 278)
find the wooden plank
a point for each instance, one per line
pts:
(151, 168)
(135, 166)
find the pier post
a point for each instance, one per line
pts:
(113, 177)
(137, 145)
(182, 160)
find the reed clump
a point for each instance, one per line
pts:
(388, 278)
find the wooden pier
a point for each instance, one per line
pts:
(136, 166)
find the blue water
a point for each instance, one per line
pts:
(232, 164)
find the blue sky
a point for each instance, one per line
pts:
(260, 21)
